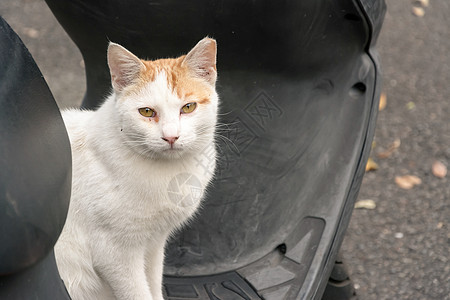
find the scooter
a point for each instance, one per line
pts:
(299, 85)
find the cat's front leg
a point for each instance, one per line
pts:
(154, 269)
(124, 270)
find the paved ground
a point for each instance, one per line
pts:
(56, 55)
(400, 249)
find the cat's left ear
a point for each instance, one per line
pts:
(202, 60)
(124, 66)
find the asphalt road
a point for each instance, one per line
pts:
(400, 249)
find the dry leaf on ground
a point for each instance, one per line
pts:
(423, 3)
(399, 235)
(439, 169)
(367, 204)
(410, 105)
(371, 165)
(408, 181)
(382, 104)
(418, 11)
(388, 152)
(31, 32)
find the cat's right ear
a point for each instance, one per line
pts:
(124, 66)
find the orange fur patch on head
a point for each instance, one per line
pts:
(203, 101)
(180, 79)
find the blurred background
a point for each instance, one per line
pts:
(398, 242)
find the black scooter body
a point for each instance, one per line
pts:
(299, 83)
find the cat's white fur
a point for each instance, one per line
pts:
(122, 207)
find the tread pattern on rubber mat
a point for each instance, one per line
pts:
(278, 275)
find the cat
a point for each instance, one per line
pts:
(141, 164)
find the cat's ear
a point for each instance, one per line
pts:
(202, 60)
(124, 66)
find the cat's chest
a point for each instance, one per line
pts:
(139, 199)
(118, 190)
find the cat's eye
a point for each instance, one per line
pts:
(147, 112)
(188, 108)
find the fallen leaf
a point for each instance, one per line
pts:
(414, 179)
(382, 104)
(371, 165)
(399, 235)
(31, 32)
(418, 11)
(385, 154)
(423, 3)
(410, 105)
(439, 169)
(367, 204)
(408, 181)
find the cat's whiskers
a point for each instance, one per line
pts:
(225, 113)
(219, 125)
(140, 145)
(220, 134)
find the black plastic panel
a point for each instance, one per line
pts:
(278, 275)
(299, 85)
(35, 176)
(41, 282)
(34, 159)
(217, 287)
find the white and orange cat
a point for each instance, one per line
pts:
(128, 156)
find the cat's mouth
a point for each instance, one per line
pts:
(173, 149)
(172, 153)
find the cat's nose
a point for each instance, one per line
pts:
(170, 139)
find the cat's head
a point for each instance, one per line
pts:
(167, 107)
